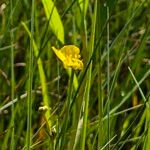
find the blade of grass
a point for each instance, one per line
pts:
(86, 99)
(97, 46)
(55, 21)
(86, 96)
(141, 92)
(46, 99)
(131, 124)
(64, 127)
(42, 43)
(8, 23)
(12, 81)
(68, 8)
(127, 24)
(129, 94)
(147, 128)
(108, 80)
(30, 80)
(7, 136)
(83, 5)
(108, 142)
(101, 24)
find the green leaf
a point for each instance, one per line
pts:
(55, 20)
(46, 99)
(83, 5)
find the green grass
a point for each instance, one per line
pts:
(104, 106)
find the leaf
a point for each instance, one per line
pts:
(83, 5)
(55, 20)
(46, 99)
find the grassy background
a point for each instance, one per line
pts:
(104, 106)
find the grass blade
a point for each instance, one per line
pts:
(55, 22)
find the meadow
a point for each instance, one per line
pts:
(75, 74)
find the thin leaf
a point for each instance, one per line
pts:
(55, 21)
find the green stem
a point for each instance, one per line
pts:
(12, 80)
(108, 75)
(68, 104)
(85, 107)
(29, 102)
(46, 99)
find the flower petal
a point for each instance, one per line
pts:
(69, 55)
(59, 54)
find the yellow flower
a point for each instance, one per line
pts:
(70, 56)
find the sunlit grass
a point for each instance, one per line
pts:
(95, 95)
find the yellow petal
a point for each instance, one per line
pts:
(59, 54)
(70, 56)
(70, 50)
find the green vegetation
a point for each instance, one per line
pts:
(103, 105)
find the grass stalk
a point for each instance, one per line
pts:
(141, 92)
(30, 80)
(86, 99)
(108, 80)
(46, 100)
(100, 99)
(68, 104)
(129, 94)
(12, 80)
(103, 106)
(86, 96)
(147, 145)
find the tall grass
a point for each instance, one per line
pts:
(30, 83)
(105, 105)
(12, 79)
